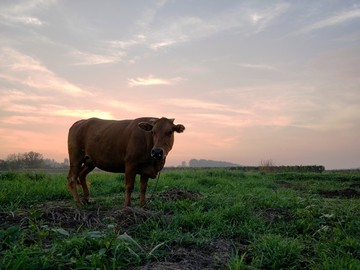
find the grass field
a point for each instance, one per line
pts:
(195, 219)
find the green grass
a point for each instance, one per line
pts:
(219, 218)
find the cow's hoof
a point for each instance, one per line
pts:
(144, 206)
(79, 204)
(85, 201)
(128, 210)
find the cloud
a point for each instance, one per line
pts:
(261, 114)
(257, 66)
(179, 30)
(19, 68)
(125, 106)
(23, 108)
(195, 103)
(262, 19)
(332, 21)
(151, 80)
(27, 20)
(84, 113)
(29, 6)
(157, 35)
(16, 95)
(125, 44)
(21, 12)
(88, 59)
(148, 14)
(19, 103)
(198, 104)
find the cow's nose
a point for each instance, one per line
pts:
(157, 153)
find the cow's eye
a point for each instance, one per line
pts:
(169, 133)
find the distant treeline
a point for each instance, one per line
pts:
(264, 166)
(201, 163)
(299, 168)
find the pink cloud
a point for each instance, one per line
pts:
(151, 80)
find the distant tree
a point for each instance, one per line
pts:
(14, 161)
(30, 160)
(53, 164)
(266, 165)
(66, 162)
(25, 160)
(33, 159)
(3, 164)
(50, 163)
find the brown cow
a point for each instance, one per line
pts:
(138, 146)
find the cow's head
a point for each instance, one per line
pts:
(163, 135)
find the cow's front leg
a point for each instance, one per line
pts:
(143, 187)
(129, 186)
(82, 177)
(71, 183)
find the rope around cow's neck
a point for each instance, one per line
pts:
(154, 190)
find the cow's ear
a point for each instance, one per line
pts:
(179, 128)
(145, 126)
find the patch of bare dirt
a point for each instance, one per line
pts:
(286, 184)
(65, 215)
(179, 194)
(272, 215)
(62, 214)
(355, 185)
(9, 218)
(213, 255)
(343, 193)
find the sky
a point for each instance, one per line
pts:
(251, 81)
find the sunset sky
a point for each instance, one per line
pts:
(250, 80)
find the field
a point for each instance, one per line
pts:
(195, 219)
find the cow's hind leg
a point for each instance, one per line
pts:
(72, 181)
(85, 169)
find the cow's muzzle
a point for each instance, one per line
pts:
(157, 153)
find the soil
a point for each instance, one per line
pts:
(286, 184)
(272, 215)
(213, 255)
(355, 185)
(63, 214)
(179, 194)
(347, 193)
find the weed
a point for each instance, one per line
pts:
(237, 262)
(276, 252)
